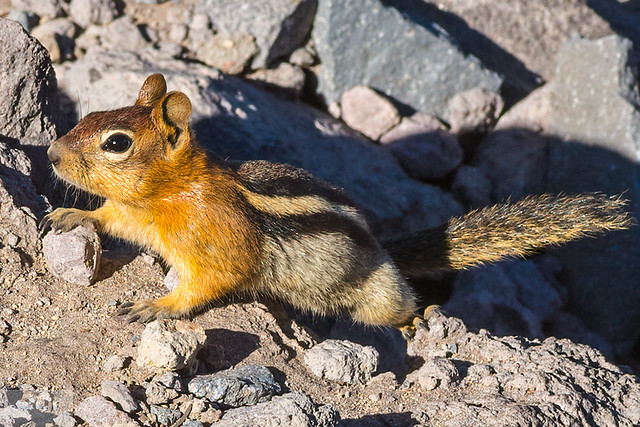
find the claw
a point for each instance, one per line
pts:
(44, 226)
(432, 311)
(142, 311)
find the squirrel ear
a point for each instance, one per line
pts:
(172, 114)
(152, 91)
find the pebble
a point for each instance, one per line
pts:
(119, 393)
(169, 345)
(242, 386)
(97, 411)
(341, 360)
(73, 256)
(368, 112)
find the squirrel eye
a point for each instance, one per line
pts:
(117, 143)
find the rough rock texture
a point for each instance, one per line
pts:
(512, 298)
(364, 110)
(27, 87)
(435, 372)
(119, 393)
(279, 26)
(515, 381)
(286, 79)
(237, 121)
(230, 53)
(243, 386)
(432, 68)
(475, 110)
(74, 255)
(168, 345)
(163, 388)
(100, 12)
(20, 205)
(99, 412)
(596, 100)
(480, 26)
(342, 361)
(291, 409)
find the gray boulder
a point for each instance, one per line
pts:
(73, 255)
(291, 409)
(416, 63)
(243, 386)
(343, 361)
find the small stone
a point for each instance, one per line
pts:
(436, 372)
(11, 240)
(45, 9)
(57, 36)
(171, 280)
(286, 79)
(87, 12)
(4, 398)
(165, 416)
(12, 416)
(368, 112)
(164, 388)
(230, 53)
(65, 419)
(303, 57)
(28, 20)
(119, 393)
(291, 409)
(99, 412)
(471, 186)
(342, 361)
(243, 386)
(5, 327)
(428, 156)
(412, 127)
(169, 345)
(74, 255)
(474, 110)
(192, 423)
(114, 363)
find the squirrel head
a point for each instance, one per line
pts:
(121, 154)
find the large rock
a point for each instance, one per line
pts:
(291, 409)
(580, 133)
(97, 411)
(27, 87)
(242, 386)
(515, 381)
(238, 121)
(595, 112)
(416, 63)
(279, 26)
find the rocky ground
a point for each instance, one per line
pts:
(420, 110)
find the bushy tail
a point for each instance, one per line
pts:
(507, 230)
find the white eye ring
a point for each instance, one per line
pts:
(114, 150)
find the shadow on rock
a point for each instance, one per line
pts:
(225, 348)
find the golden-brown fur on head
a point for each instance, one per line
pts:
(158, 129)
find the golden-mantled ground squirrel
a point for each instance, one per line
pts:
(272, 229)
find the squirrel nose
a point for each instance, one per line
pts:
(53, 156)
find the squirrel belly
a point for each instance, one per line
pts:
(271, 229)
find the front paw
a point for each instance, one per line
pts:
(64, 219)
(143, 311)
